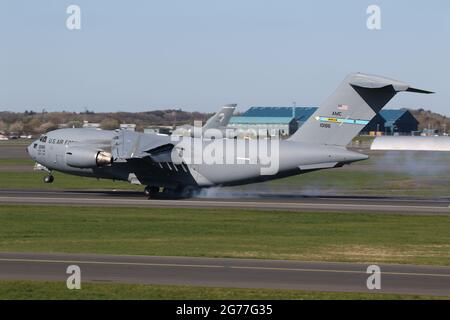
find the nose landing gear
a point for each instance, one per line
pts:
(49, 179)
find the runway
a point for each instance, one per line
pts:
(236, 273)
(260, 201)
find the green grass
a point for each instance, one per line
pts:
(384, 174)
(370, 182)
(341, 179)
(16, 142)
(34, 180)
(21, 290)
(358, 182)
(21, 179)
(349, 237)
(17, 162)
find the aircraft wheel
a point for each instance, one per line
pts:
(179, 192)
(49, 179)
(151, 191)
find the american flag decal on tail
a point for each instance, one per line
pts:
(343, 107)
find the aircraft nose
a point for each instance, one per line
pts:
(30, 149)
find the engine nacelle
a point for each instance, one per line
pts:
(87, 158)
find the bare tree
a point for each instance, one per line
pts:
(3, 126)
(16, 127)
(109, 124)
(45, 127)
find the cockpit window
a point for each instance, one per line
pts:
(43, 139)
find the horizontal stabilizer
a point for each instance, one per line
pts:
(419, 91)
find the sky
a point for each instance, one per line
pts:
(200, 54)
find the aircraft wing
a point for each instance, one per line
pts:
(128, 145)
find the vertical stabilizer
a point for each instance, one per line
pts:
(349, 109)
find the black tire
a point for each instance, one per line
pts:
(151, 191)
(49, 179)
(180, 192)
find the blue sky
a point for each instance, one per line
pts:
(200, 54)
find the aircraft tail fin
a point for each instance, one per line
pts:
(220, 119)
(349, 109)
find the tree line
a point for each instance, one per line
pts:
(34, 123)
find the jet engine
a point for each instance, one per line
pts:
(87, 158)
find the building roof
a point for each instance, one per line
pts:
(303, 113)
(392, 116)
(260, 120)
(300, 113)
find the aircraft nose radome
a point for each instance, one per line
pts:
(30, 149)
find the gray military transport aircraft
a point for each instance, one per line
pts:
(178, 167)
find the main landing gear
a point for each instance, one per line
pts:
(170, 193)
(150, 191)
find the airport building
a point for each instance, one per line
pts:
(286, 120)
(271, 121)
(399, 121)
(377, 124)
(158, 129)
(87, 124)
(301, 114)
(263, 126)
(393, 122)
(128, 126)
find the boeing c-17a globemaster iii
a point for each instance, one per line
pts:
(179, 166)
